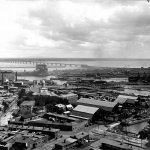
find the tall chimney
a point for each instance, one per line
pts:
(2, 78)
(16, 76)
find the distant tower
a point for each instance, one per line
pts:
(16, 76)
(35, 82)
(43, 83)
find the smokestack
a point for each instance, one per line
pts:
(2, 78)
(16, 76)
(35, 82)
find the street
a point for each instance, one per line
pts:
(7, 115)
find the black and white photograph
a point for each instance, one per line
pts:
(74, 74)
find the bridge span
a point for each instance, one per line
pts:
(47, 63)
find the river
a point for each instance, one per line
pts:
(98, 63)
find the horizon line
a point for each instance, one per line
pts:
(76, 58)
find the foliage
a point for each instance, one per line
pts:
(45, 100)
(74, 105)
(49, 108)
(41, 100)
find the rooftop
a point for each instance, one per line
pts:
(125, 98)
(45, 92)
(28, 103)
(85, 109)
(105, 105)
(67, 95)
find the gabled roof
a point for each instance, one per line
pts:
(105, 105)
(125, 98)
(85, 109)
(68, 95)
(35, 88)
(27, 103)
(45, 92)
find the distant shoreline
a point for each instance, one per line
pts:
(73, 59)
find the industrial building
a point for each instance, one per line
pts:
(84, 111)
(25, 137)
(7, 76)
(71, 97)
(105, 110)
(51, 120)
(121, 99)
(72, 141)
(103, 105)
(26, 107)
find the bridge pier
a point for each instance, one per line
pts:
(39, 62)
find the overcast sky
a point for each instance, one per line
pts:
(75, 28)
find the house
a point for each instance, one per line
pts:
(26, 107)
(71, 97)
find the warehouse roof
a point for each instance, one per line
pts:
(125, 98)
(85, 109)
(68, 95)
(105, 105)
(27, 103)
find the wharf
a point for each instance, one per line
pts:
(114, 144)
(132, 122)
(122, 138)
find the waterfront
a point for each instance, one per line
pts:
(135, 128)
(126, 89)
(132, 128)
(95, 63)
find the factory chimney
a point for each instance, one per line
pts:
(35, 82)
(16, 76)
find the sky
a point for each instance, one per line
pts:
(74, 29)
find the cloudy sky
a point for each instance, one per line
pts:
(75, 28)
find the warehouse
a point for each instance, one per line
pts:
(83, 111)
(103, 105)
(71, 97)
(107, 111)
(121, 99)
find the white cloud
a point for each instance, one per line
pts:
(71, 28)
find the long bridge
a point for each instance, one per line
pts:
(47, 63)
(43, 62)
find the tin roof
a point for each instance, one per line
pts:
(105, 105)
(68, 95)
(85, 109)
(28, 103)
(125, 98)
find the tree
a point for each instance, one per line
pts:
(74, 105)
(21, 94)
(49, 108)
